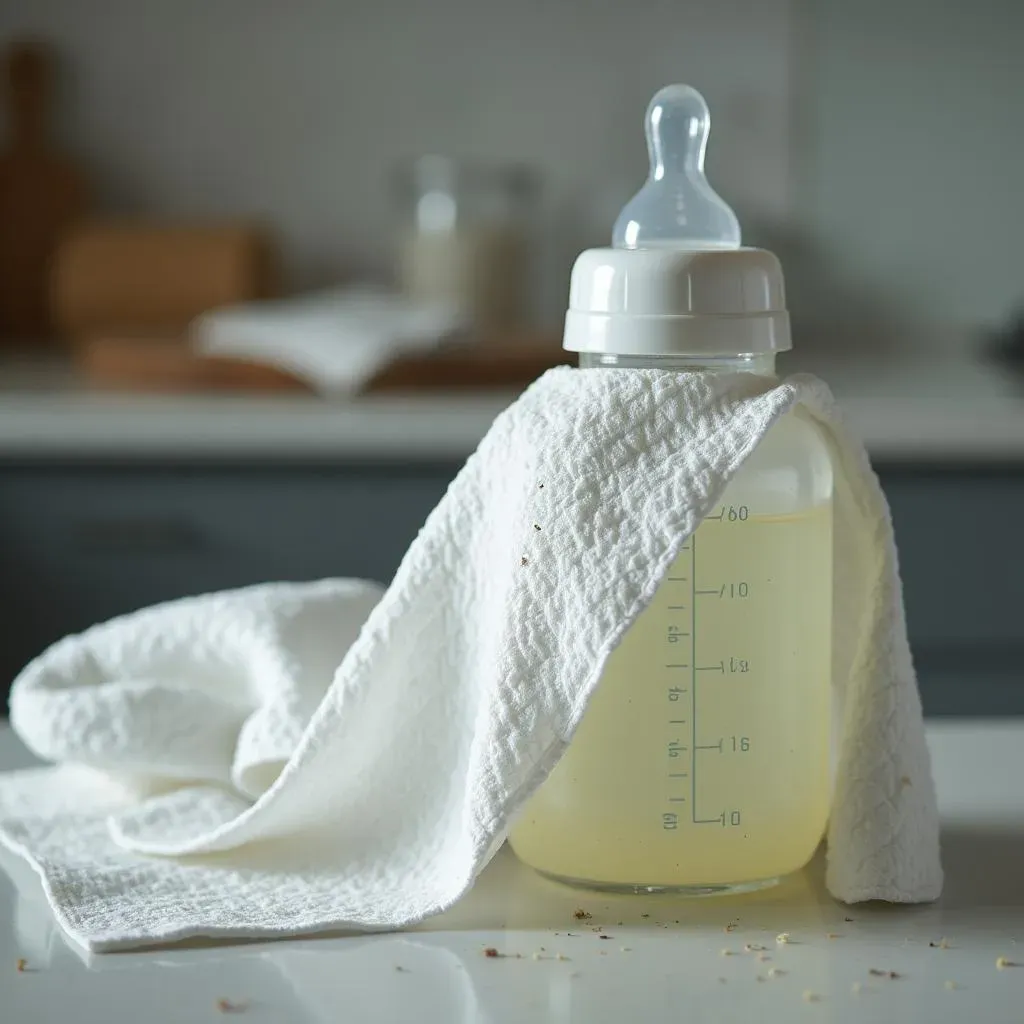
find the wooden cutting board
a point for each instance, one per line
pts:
(41, 194)
(169, 365)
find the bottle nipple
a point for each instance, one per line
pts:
(676, 207)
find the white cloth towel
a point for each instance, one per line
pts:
(335, 341)
(214, 780)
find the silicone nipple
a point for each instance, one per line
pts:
(676, 207)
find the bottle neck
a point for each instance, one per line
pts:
(763, 364)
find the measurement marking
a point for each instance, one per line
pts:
(721, 515)
(677, 799)
(677, 721)
(678, 608)
(711, 746)
(678, 775)
(693, 674)
(677, 665)
(720, 667)
(708, 821)
(698, 592)
(685, 547)
(678, 579)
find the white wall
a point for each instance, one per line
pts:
(878, 145)
(298, 109)
(912, 178)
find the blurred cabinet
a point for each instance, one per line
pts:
(81, 543)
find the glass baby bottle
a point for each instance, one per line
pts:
(702, 763)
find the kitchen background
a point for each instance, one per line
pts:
(214, 154)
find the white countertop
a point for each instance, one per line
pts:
(661, 962)
(915, 407)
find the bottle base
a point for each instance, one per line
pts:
(643, 888)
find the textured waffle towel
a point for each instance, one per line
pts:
(297, 757)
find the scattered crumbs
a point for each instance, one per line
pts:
(856, 988)
(536, 526)
(905, 781)
(22, 965)
(524, 560)
(581, 915)
(726, 952)
(626, 949)
(763, 956)
(401, 969)
(490, 951)
(941, 944)
(561, 956)
(832, 935)
(877, 972)
(753, 947)
(729, 928)
(810, 997)
(848, 920)
(775, 972)
(645, 915)
(571, 935)
(950, 986)
(783, 938)
(604, 936)
(227, 1006)
(1003, 963)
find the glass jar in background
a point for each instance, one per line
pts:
(465, 238)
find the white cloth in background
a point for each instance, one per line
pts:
(283, 759)
(335, 341)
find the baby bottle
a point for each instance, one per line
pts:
(702, 763)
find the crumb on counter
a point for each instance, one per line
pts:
(490, 951)
(726, 952)
(832, 935)
(1002, 963)
(775, 972)
(783, 938)
(753, 947)
(401, 969)
(581, 915)
(227, 1006)
(877, 972)
(626, 949)
(22, 965)
(524, 560)
(848, 920)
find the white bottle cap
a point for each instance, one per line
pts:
(677, 281)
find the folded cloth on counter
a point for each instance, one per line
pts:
(335, 341)
(265, 762)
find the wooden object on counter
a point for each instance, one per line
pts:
(501, 362)
(41, 194)
(124, 277)
(134, 363)
(170, 365)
